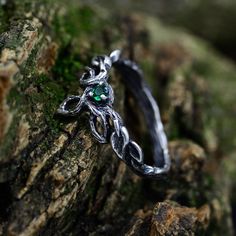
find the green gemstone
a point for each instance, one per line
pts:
(100, 90)
(97, 98)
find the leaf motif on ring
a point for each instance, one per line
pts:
(100, 135)
(71, 105)
(119, 142)
(134, 152)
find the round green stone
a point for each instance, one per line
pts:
(100, 90)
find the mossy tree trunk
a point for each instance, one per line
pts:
(55, 179)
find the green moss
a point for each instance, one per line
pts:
(14, 39)
(53, 88)
(77, 22)
(10, 138)
(67, 67)
(50, 94)
(6, 12)
(77, 25)
(3, 22)
(80, 20)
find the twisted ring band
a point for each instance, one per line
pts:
(98, 98)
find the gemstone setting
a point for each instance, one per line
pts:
(100, 93)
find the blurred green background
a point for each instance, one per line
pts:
(213, 20)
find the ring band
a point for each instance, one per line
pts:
(98, 99)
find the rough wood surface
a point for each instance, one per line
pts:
(55, 179)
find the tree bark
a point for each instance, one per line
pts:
(55, 179)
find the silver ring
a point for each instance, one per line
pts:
(98, 99)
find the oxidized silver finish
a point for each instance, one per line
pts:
(98, 99)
